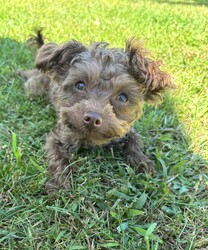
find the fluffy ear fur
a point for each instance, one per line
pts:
(55, 59)
(147, 71)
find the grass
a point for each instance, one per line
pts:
(108, 206)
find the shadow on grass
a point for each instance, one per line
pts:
(178, 2)
(18, 114)
(105, 192)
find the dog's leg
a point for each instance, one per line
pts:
(134, 155)
(60, 149)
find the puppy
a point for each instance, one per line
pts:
(98, 93)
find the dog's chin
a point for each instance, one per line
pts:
(100, 139)
(96, 137)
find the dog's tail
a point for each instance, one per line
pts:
(36, 40)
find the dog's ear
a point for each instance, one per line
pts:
(56, 59)
(147, 71)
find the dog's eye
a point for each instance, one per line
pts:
(80, 85)
(122, 97)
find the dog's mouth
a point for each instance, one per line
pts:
(96, 136)
(94, 126)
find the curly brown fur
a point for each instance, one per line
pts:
(36, 83)
(36, 40)
(98, 93)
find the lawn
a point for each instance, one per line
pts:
(109, 206)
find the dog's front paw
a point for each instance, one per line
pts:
(141, 164)
(52, 186)
(146, 165)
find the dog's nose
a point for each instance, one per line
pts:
(92, 119)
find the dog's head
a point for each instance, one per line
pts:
(99, 91)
